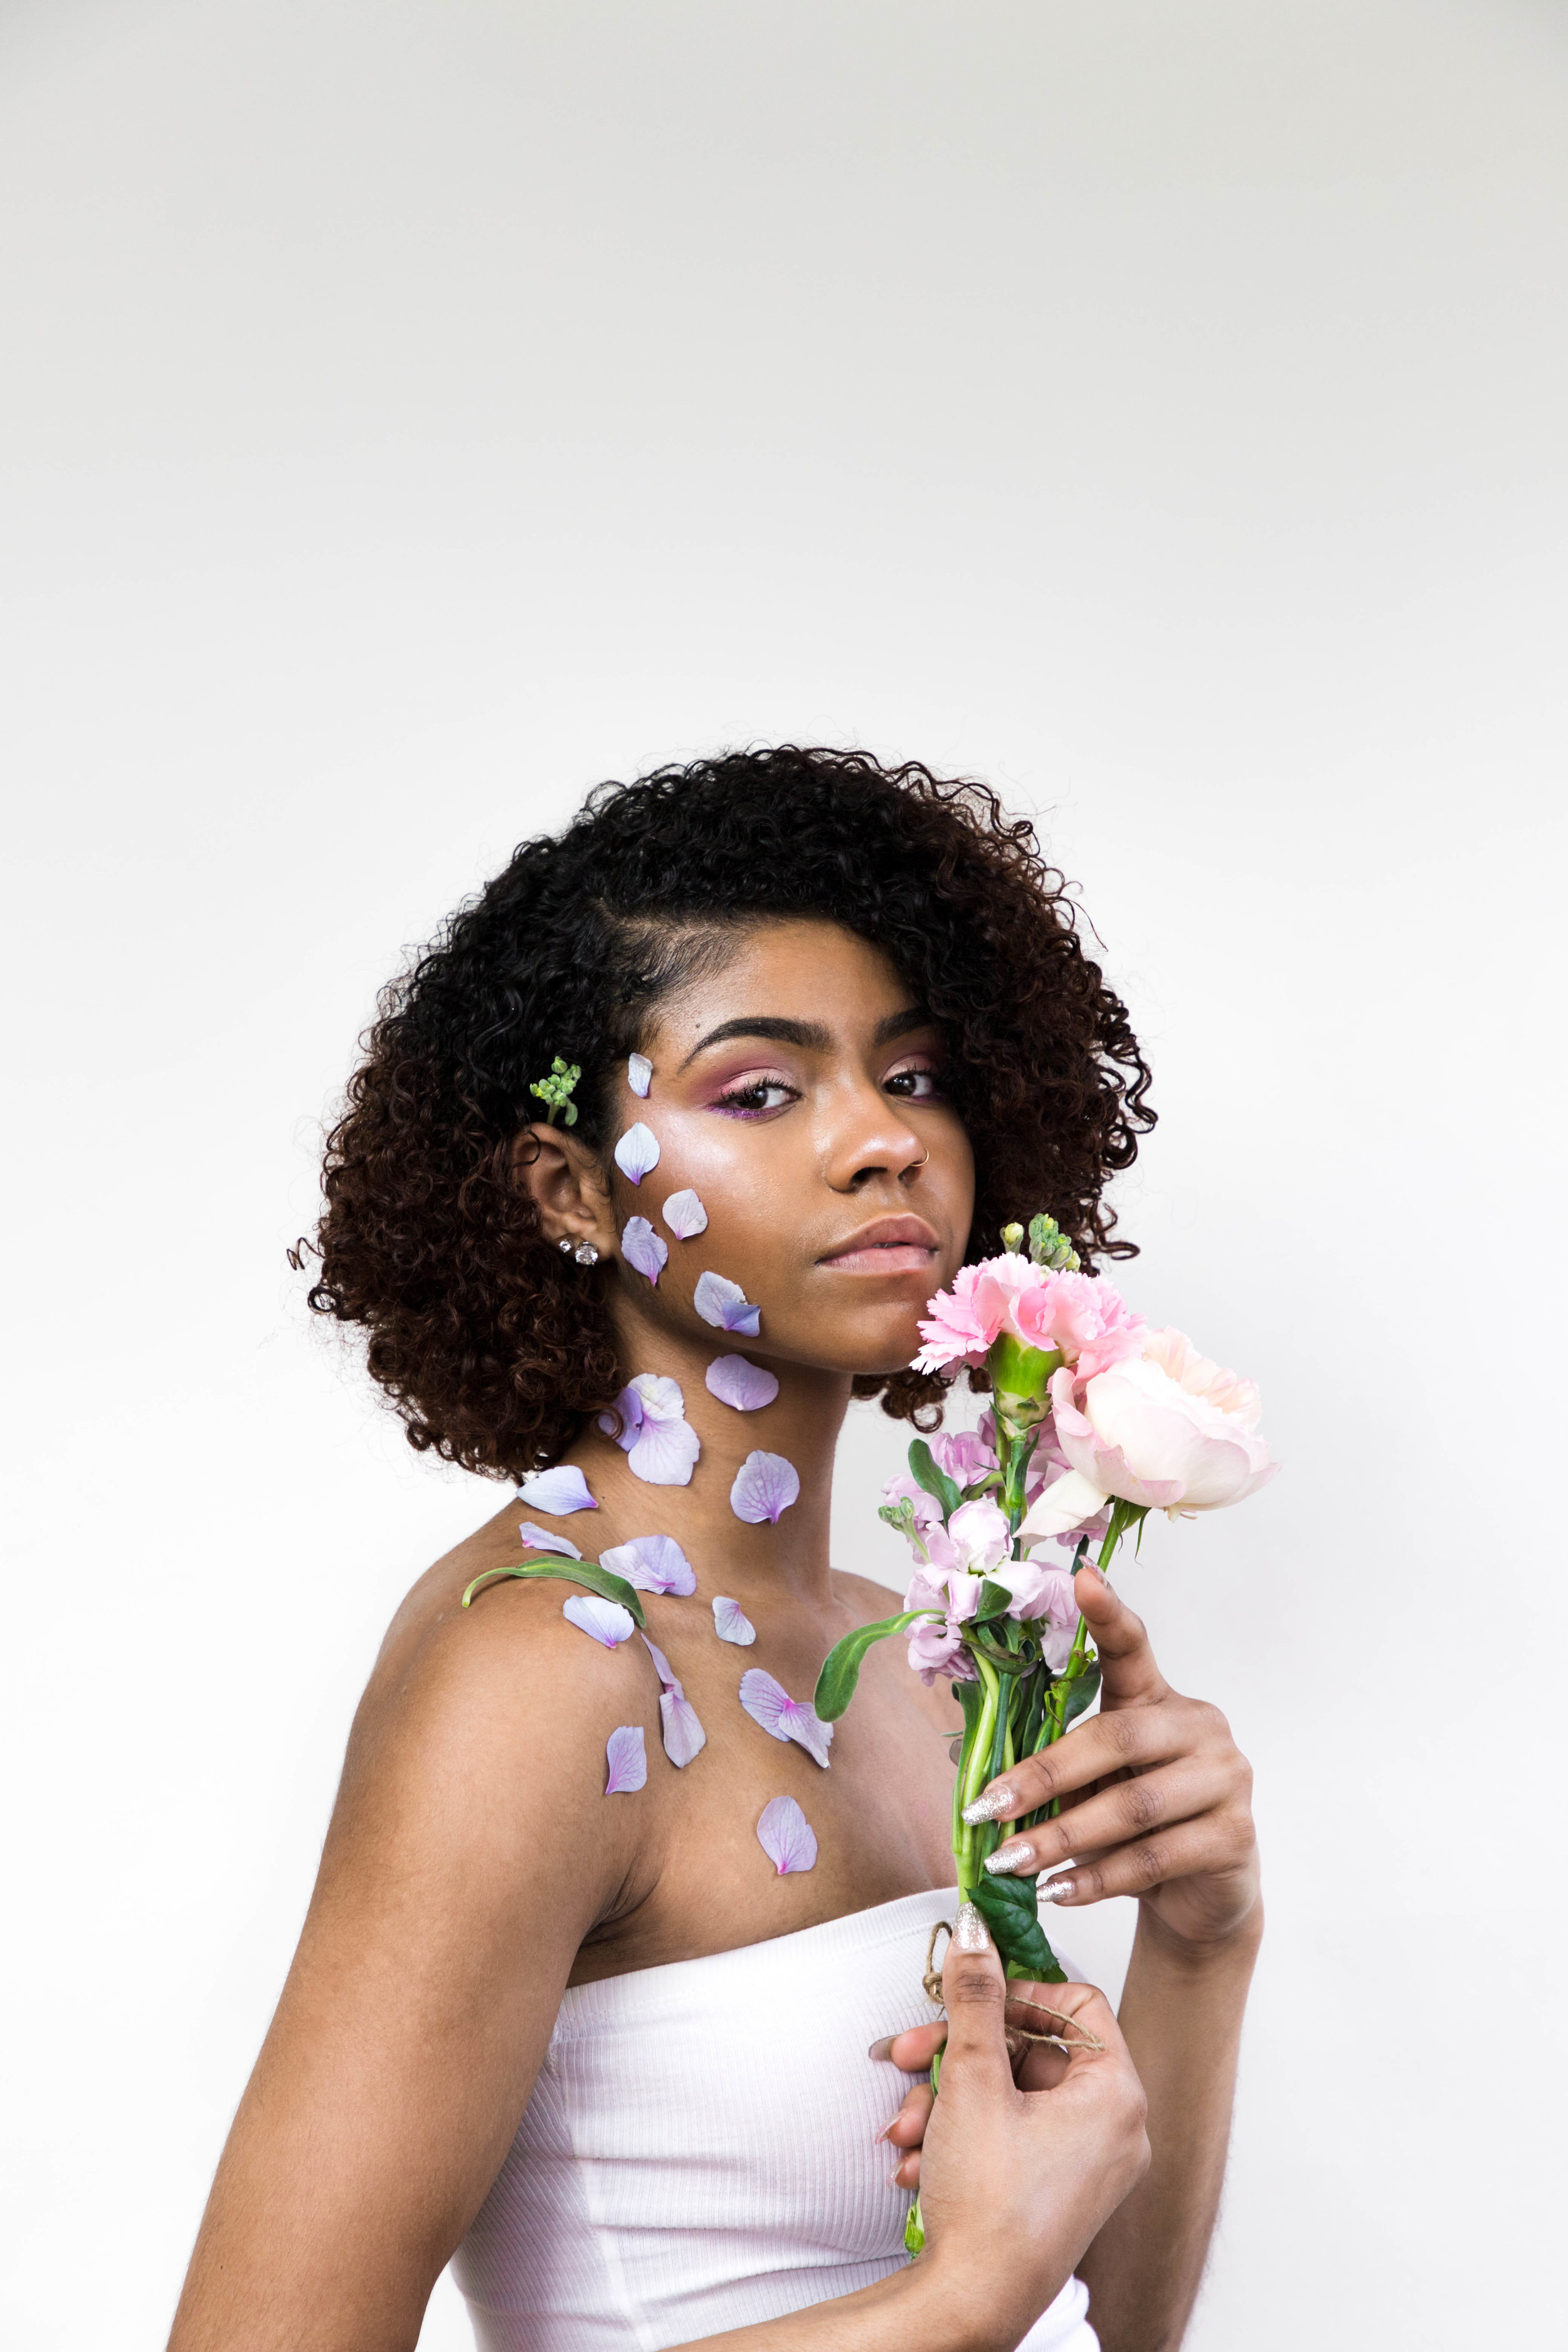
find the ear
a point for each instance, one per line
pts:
(567, 1187)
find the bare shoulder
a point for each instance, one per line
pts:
(483, 1733)
(868, 1600)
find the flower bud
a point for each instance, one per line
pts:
(1013, 1238)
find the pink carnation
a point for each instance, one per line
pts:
(1083, 1320)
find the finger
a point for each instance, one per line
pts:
(1179, 1852)
(1131, 1740)
(906, 2173)
(1175, 1793)
(1130, 1676)
(908, 2127)
(912, 2051)
(974, 1992)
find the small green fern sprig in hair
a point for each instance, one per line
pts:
(556, 1090)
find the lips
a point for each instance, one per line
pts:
(887, 1245)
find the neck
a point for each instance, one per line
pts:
(729, 1554)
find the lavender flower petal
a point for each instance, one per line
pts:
(685, 1215)
(626, 1758)
(605, 1621)
(724, 1304)
(665, 1454)
(769, 1704)
(735, 1382)
(629, 1405)
(641, 1247)
(639, 1074)
(637, 1152)
(651, 1564)
(560, 1492)
(684, 1736)
(766, 1485)
(785, 1836)
(731, 1623)
(668, 1680)
(537, 1540)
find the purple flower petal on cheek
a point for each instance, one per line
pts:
(685, 1215)
(684, 1736)
(724, 1304)
(731, 1623)
(736, 1382)
(537, 1540)
(639, 1074)
(769, 1704)
(651, 1563)
(641, 1247)
(626, 1759)
(605, 1621)
(785, 1836)
(636, 1153)
(559, 1491)
(766, 1485)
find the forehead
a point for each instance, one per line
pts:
(807, 970)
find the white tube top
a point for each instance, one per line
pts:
(699, 2150)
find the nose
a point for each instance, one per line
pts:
(868, 1138)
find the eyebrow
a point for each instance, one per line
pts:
(810, 1035)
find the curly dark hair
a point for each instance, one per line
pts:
(492, 1348)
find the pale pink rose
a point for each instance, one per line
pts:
(1070, 1314)
(937, 1648)
(975, 1538)
(1166, 1428)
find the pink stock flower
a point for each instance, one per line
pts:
(974, 1541)
(963, 1454)
(936, 1647)
(1071, 1314)
(1056, 1603)
(949, 1590)
(1166, 1429)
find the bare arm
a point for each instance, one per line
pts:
(452, 1896)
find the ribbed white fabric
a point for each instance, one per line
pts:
(698, 2152)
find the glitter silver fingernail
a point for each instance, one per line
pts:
(1017, 1855)
(1055, 1890)
(970, 1934)
(987, 1808)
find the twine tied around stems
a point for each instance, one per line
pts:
(930, 1984)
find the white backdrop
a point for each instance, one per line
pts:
(412, 412)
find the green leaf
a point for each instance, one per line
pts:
(1081, 1691)
(841, 1667)
(994, 1600)
(1008, 1907)
(586, 1572)
(924, 1472)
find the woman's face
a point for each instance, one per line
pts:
(800, 1092)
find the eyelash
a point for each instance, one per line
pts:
(737, 1103)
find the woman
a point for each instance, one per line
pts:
(833, 1027)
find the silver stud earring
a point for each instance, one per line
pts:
(565, 1247)
(585, 1254)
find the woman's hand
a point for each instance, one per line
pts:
(1155, 1797)
(1016, 2181)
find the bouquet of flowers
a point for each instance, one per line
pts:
(1095, 1421)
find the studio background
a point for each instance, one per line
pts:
(414, 412)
